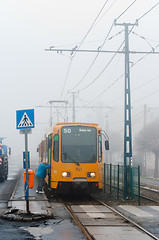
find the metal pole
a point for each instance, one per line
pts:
(139, 185)
(104, 178)
(50, 114)
(127, 119)
(127, 125)
(99, 51)
(73, 117)
(145, 116)
(118, 184)
(110, 178)
(26, 165)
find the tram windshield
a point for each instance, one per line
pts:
(79, 144)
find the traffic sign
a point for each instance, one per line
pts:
(25, 119)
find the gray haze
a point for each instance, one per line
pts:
(30, 76)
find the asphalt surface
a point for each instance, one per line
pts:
(7, 187)
(60, 227)
(53, 229)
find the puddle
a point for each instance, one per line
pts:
(37, 232)
(3, 204)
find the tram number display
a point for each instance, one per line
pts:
(67, 130)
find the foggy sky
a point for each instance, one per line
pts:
(30, 76)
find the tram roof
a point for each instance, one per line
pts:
(76, 123)
(71, 124)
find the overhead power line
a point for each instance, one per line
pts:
(74, 52)
(125, 10)
(116, 80)
(152, 93)
(100, 47)
(72, 56)
(66, 78)
(134, 90)
(93, 23)
(103, 70)
(148, 11)
(98, 51)
(143, 38)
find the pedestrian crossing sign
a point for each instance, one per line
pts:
(25, 119)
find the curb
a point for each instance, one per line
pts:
(21, 216)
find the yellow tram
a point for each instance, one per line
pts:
(74, 151)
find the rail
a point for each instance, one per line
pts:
(96, 221)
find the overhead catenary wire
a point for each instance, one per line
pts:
(90, 67)
(69, 67)
(92, 24)
(129, 32)
(99, 48)
(148, 11)
(105, 90)
(146, 96)
(116, 80)
(145, 56)
(107, 11)
(134, 90)
(101, 93)
(103, 70)
(142, 37)
(125, 10)
(73, 55)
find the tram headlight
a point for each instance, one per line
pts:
(91, 174)
(66, 174)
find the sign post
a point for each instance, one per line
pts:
(24, 122)
(24, 160)
(27, 174)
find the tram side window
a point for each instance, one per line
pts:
(49, 147)
(41, 155)
(56, 148)
(99, 148)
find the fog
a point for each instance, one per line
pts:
(31, 76)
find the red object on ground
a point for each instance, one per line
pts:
(31, 178)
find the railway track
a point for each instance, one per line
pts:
(149, 192)
(97, 221)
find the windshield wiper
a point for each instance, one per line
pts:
(66, 155)
(75, 161)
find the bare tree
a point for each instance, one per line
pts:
(149, 138)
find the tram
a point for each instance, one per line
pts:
(74, 151)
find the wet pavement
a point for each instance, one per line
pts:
(7, 187)
(52, 229)
(57, 224)
(38, 203)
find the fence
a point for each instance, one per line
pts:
(113, 181)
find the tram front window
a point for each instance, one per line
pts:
(79, 145)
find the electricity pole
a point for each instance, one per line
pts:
(50, 113)
(73, 106)
(145, 120)
(127, 111)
